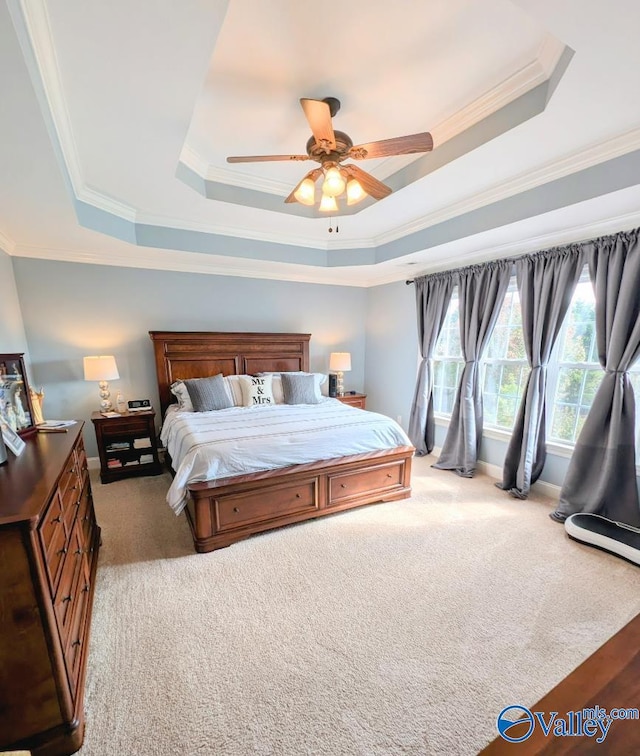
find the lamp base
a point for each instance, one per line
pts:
(105, 394)
(340, 383)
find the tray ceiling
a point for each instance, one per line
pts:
(130, 116)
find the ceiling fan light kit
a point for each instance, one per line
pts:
(330, 148)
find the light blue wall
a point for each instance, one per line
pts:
(72, 310)
(12, 333)
(391, 350)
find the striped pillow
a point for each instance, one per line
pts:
(299, 389)
(208, 393)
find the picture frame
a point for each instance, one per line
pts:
(16, 411)
(12, 440)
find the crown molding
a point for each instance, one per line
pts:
(577, 161)
(374, 275)
(193, 262)
(7, 244)
(573, 234)
(519, 83)
(32, 21)
(275, 237)
(199, 165)
(108, 204)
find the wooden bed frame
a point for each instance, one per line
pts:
(226, 510)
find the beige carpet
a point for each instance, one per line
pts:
(399, 628)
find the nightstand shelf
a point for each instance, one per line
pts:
(127, 445)
(354, 400)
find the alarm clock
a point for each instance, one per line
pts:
(138, 405)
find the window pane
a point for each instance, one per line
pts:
(591, 384)
(569, 385)
(506, 412)
(516, 350)
(497, 346)
(563, 426)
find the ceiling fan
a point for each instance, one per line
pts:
(330, 148)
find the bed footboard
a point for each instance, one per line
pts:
(232, 509)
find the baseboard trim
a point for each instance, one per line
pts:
(93, 463)
(493, 471)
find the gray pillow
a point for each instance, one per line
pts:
(208, 393)
(299, 389)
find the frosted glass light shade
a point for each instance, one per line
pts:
(328, 204)
(100, 368)
(340, 361)
(355, 192)
(333, 184)
(306, 192)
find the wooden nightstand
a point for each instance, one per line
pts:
(127, 445)
(353, 400)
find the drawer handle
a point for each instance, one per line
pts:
(66, 599)
(78, 551)
(63, 551)
(56, 519)
(77, 642)
(343, 485)
(236, 510)
(389, 475)
(298, 496)
(86, 588)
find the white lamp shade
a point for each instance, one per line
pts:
(340, 361)
(328, 204)
(100, 368)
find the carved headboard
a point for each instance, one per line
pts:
(198, 354)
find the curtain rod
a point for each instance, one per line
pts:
(409, 281)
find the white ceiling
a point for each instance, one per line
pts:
(117, 120)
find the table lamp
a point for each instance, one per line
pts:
(103, 369)
(339, 362)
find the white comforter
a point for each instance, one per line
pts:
(210, 445)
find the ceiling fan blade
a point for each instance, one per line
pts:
(313, 175)
(318, 114)
(265, 158)
(404, 145)
(371, 185)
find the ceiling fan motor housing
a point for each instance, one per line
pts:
(343, 144)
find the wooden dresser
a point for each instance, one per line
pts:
(49, 543)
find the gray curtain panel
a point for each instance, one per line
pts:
(481, 290)
(433, 294)
(601, 477)
(546, 282)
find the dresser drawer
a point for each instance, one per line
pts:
(345, 486)
(55, 552)
(77, 635)
(237, 510)
(52, 522)
(66, 597)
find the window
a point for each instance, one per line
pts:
(574, 370)
(577, 374)
(505, 365)
(447, 361)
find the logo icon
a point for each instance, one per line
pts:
(515, 719)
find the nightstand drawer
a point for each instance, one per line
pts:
(354, 400)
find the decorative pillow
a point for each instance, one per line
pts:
(234, 388)
(257, 390)
(321, 379)
(179, 390)
(299, 389)
(208, 393)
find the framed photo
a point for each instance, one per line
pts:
(16, 412)
(12, 440)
